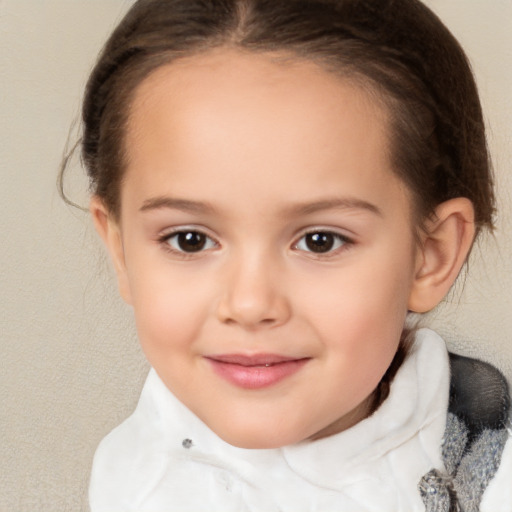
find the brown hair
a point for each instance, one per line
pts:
(399, 48)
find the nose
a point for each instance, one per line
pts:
(253, 295)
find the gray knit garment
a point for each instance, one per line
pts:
(474, 439)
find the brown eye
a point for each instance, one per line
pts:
(190, 241)
(321, 242)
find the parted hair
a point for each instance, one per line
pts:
(398, 49)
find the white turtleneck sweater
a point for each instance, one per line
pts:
(164, 459)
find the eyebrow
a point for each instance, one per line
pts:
(185, 205)
(307, 208)
(344, 203)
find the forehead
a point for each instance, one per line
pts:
(248, 119)
(275, 86)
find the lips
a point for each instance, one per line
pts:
(255, 371)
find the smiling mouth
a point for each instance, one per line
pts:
(256, 371)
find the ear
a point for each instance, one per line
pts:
(109, 230)
(444, 247)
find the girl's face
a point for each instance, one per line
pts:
(265, 244)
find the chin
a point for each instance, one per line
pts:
(255, 443)
(258, 440)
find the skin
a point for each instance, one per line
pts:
(254, 154)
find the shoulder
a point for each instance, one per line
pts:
(480, 402)
(477, 445)
(479, 394)
(498, 495)
(127, 459)
(112, 476)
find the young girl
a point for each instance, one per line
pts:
(279, 184)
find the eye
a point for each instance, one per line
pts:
(189, 241)
(321, 242)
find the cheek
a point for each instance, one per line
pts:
(169, 306)
(361, 309)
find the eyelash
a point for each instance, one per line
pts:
(166, 239)
(336, 242)
(339, 242)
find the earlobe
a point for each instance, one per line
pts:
(109, 231)
(446, 242)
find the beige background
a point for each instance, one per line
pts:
(70, 365)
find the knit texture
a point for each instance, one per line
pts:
(475, 436)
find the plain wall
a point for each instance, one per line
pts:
(71, 368)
